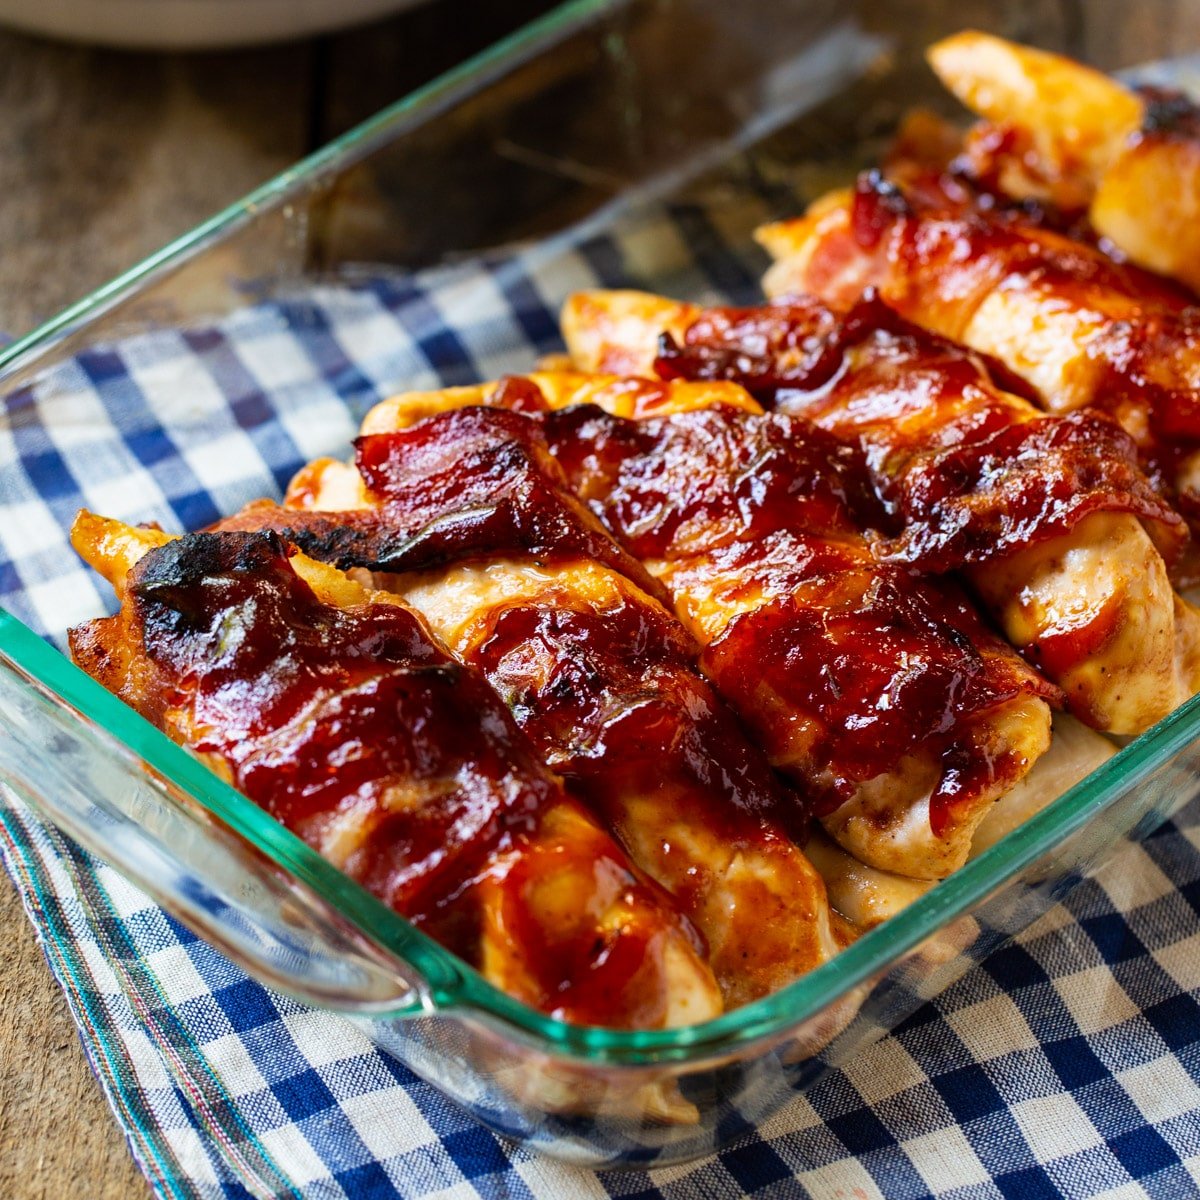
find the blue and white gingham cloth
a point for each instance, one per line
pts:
(1067, 1064)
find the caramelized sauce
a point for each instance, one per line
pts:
(965, 469)
(937, 263)
(327, 715)
(471, 483)
(610, 695)
(690, 482)
(839, 664)
(612, 700)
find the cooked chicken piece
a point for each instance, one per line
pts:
(1042, 514)
(1079, 329)
(333, 707)
(1075, 752)
(867, 897)
(746, 523)
(620, 332)
(1058, 130)
(541, 391)
(599, 675)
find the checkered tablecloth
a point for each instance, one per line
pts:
(1067, 1064)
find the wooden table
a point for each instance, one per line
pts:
(104, 157)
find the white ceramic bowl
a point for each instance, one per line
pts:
(189, 24)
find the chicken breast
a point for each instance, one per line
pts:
(1059, 131)
(1049, 518)
(711, 501)
(599, 675)
(333, 707)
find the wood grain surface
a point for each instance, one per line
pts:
(104, 157)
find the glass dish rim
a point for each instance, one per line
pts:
(453, 986)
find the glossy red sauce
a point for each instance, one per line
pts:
(468, 484)
(693, 481)
(320, 710)
(312, 705)
(876, 663)
(968, 470)
(937, 264)
(612, 700)
(855, 662)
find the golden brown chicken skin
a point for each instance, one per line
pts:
(1057, 131)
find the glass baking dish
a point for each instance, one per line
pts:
(632, 143)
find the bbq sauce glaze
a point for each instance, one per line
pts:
(871, 661)
(322, 713)
(605, 683)
(937, 263)
(611, 697)
(965, 471)
(840, 664)
(608, 688)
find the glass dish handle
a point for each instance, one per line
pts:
(199, 848)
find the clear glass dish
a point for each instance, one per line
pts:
(603, 125)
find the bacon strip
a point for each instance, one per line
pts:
(1079, 328)
(860, 681)
(603, 680)
(972, 473)
(1050, 517)
(334, 709)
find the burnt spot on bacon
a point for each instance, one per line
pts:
(344, 540)
(1169, 113)
(317, 708)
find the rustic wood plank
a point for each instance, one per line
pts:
(104, 156)
(57, 1137)
(366, 69)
